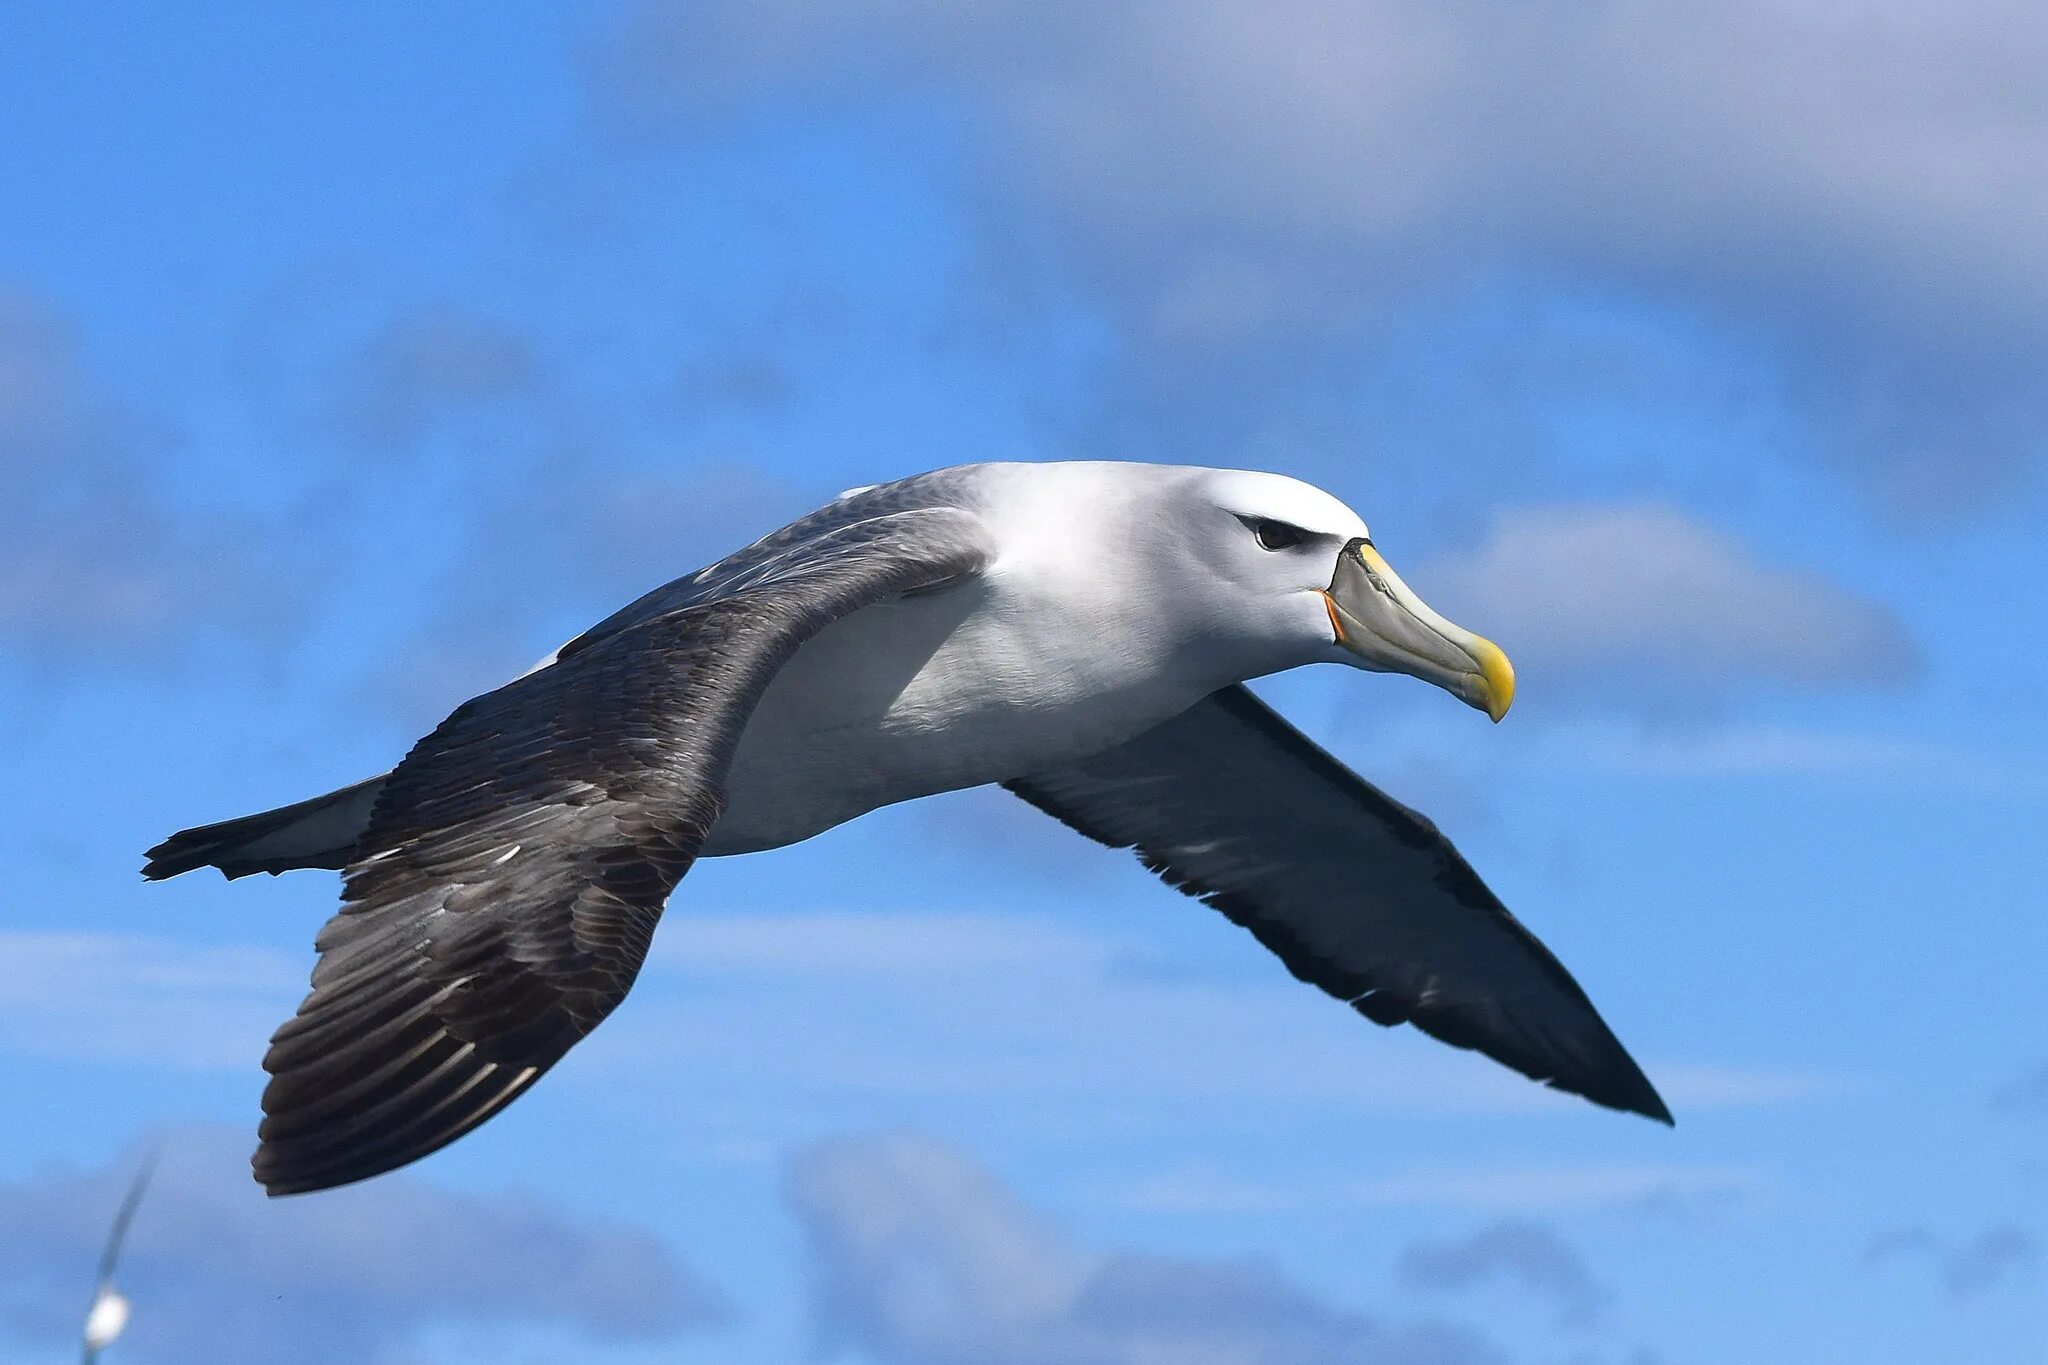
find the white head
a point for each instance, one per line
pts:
(1255, 573)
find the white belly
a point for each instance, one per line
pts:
(933, 694)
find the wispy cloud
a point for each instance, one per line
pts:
(1244, 191)
(140, 998)
(1484, 1189)
(2025, 1093)
(1966, 1268)
(97, 564)
(1648, 599)
(1781, 751)
(219, 1273)
(1526, 1254)
(1001, 1013)
(423, 362)
(553, 546)
(923, 1258)
(1549, 1189)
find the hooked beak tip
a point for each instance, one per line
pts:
(1496, 677)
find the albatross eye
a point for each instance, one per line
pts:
(1277, 535)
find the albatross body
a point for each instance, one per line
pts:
(1078, 633)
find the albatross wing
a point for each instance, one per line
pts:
(1356, 893)
(501, 901)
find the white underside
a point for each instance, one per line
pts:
(968, 686)
(1118, 596)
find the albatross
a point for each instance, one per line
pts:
(1078, 633)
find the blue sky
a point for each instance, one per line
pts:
(351, 358)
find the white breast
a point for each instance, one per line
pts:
(990, 680)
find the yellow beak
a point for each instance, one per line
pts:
(1379, 619)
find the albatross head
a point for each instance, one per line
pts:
(1303, 580)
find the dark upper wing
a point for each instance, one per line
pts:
(502, 899)
(1356, 893)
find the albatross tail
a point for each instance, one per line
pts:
(321, 832)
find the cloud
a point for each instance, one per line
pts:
(1891, 1244)
(1743, 750)
(922, 1257)
(138, 998)
(217, 1273)
(1968, 1268)
(98, 563)
(1650, 600)
(533, 507)
(2026, 1093)
(1238, 188)
(1641, 1186)
(1529, 1255)
(552, 548)
(1985, 1260)
(423, 362)
(798, 1021)
(1253, 1046)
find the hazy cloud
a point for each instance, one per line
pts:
(424, 362)
(1988, 1258)
(1241, 1048)
(137, 998)
(1745, 750)
(217, 1273)
(1644, 1187)
(2026, 1093)
(1856, 188)
(922, 1257)
(1531, 1256)
(1966, 1268)
(97, 562)
(556, 546)
(1646, 598)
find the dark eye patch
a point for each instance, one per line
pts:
(1276, 535)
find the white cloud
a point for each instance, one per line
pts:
(849, 945)
(924, 1258)
(1530, 1255)
(1776, 750)
(1971, 1266)
(1861, 180)
(795, 1020)
(219, 1273)
(94, 563)
(426, 362)
(554, 544)
(1647, 597)
(1546, 1189)
(1652, 130)
(1003, 1009)
(138, 998)
(1485, 1189)
(2025, 1093)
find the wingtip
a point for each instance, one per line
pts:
(1641, 1098)
(1654, 1110)
(163, 861)
(186, 851)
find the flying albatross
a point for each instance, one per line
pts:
(1078, 632)
(107, 1317)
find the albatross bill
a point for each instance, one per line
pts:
(1078, 633)
(1378, 617)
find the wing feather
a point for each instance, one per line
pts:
(1355, 893)
(502, 899)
